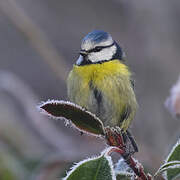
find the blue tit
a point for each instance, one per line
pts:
(101, 82)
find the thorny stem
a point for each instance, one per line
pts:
(113, 138)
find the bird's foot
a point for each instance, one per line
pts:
(131, 146)
(114, 137)
(121, 139)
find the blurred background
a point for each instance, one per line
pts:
(40, 41)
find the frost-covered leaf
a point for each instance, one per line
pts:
(173, 101)
(80, 118)
(98, 168)
(171, 167)
(173, 156)
(168, 166)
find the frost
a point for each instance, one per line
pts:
(90, 125)
(172, 150)
(121, 167)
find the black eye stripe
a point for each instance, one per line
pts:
(98, 48)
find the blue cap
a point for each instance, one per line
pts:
(96, 36)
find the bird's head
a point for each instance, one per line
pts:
(98, 47)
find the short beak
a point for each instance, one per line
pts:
(83, 53)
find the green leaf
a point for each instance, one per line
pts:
(173, 156)
(171, 167)
(82, 119)
(168, 166)
(98, 168)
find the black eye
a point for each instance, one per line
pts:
(97, 49)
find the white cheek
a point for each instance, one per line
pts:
(104, 54)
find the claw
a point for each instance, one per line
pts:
(114, 137)
(121, 139)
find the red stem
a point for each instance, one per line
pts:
(137, 168)
(114, 138)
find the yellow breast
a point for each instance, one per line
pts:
(112, 79)
(99, 71)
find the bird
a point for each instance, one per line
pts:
(101, 81)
